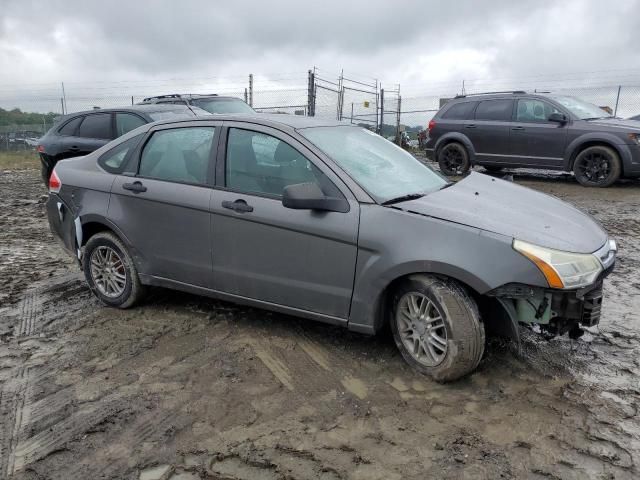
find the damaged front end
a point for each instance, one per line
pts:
(551, 311)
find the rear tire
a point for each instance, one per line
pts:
(597, 166)
(453, 159)
(437, 328)
(110, 271)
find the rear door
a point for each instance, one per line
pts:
(534, 139)
(95, 130)
(163, 206)
(489, 130)
(302, 259)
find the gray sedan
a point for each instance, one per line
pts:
(329, 222)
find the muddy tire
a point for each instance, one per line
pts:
(437, 328)
(110, 271)
(453, 159)
(597, 166)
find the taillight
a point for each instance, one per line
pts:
(40, 149)
(54, 182)
(432, 124)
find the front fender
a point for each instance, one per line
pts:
(394, 243)
(598, 137)
(457, 137)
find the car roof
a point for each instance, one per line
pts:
(191, 96)
(276, 120)
(148, 108)
(499, 95)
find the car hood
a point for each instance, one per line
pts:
(505, 208)
(630, 125)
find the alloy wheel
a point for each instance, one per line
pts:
(594, 167)
(421, 328)
(452, 159)
(108, 272)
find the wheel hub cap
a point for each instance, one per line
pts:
(108, 272)
(421, 328)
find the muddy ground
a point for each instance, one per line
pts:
(189, 388)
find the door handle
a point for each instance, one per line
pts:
(471, 125)
(517, 128)
(135, 187)
(239, 206)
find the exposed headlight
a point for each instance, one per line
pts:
(562, 269)
(635, 137)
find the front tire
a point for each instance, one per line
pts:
(110, 271)
(437, 327)
(597, 166)
(453, 159)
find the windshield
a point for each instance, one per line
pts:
(383, 169)
(581, 109)
(179, 112)
(223, 105)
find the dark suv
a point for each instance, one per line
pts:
(81, 133)
(534, 130)
(212, 103)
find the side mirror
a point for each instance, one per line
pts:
(309, 196)
(560, 118)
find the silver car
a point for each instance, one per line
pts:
(330, 222)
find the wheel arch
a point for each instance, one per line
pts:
(584, 142)
(452, 137)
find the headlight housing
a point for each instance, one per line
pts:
(562, 269)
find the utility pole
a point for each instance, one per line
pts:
(64, 100)
(251, 89)
(615, 110)
(311, 100)
(381, 110)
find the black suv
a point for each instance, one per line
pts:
(81, 133)
(534, 130)
(212, 103)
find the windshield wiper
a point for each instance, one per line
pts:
(447, 185)
(403, 198)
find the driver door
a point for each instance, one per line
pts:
(301, 259)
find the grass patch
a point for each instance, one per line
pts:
(27, 159)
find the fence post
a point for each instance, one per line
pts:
(131, 99)
(381, 128)
(615, 110)
(246, 97)
(398, 137)
(251, 89)
(311, 104)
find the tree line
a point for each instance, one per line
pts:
(18, 117)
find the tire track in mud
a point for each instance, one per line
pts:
(33, 312)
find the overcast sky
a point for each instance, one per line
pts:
(426, 46)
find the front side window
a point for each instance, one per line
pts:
(263, 164)
(533, 110)
(125, 122)
(498, 110)
(382, 168)
(96, 125)
(178, 155)
(114, 160)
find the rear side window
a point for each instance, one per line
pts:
(114, 161)
(70, 127)
(125, 122)
(499, 110)
(97, 125)
(460, 111)
(178, 155)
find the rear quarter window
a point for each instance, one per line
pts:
(70, 127)
(116, 159)
(460, 111)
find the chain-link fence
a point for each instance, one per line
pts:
(356, 99)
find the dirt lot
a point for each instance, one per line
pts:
(186, 388)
